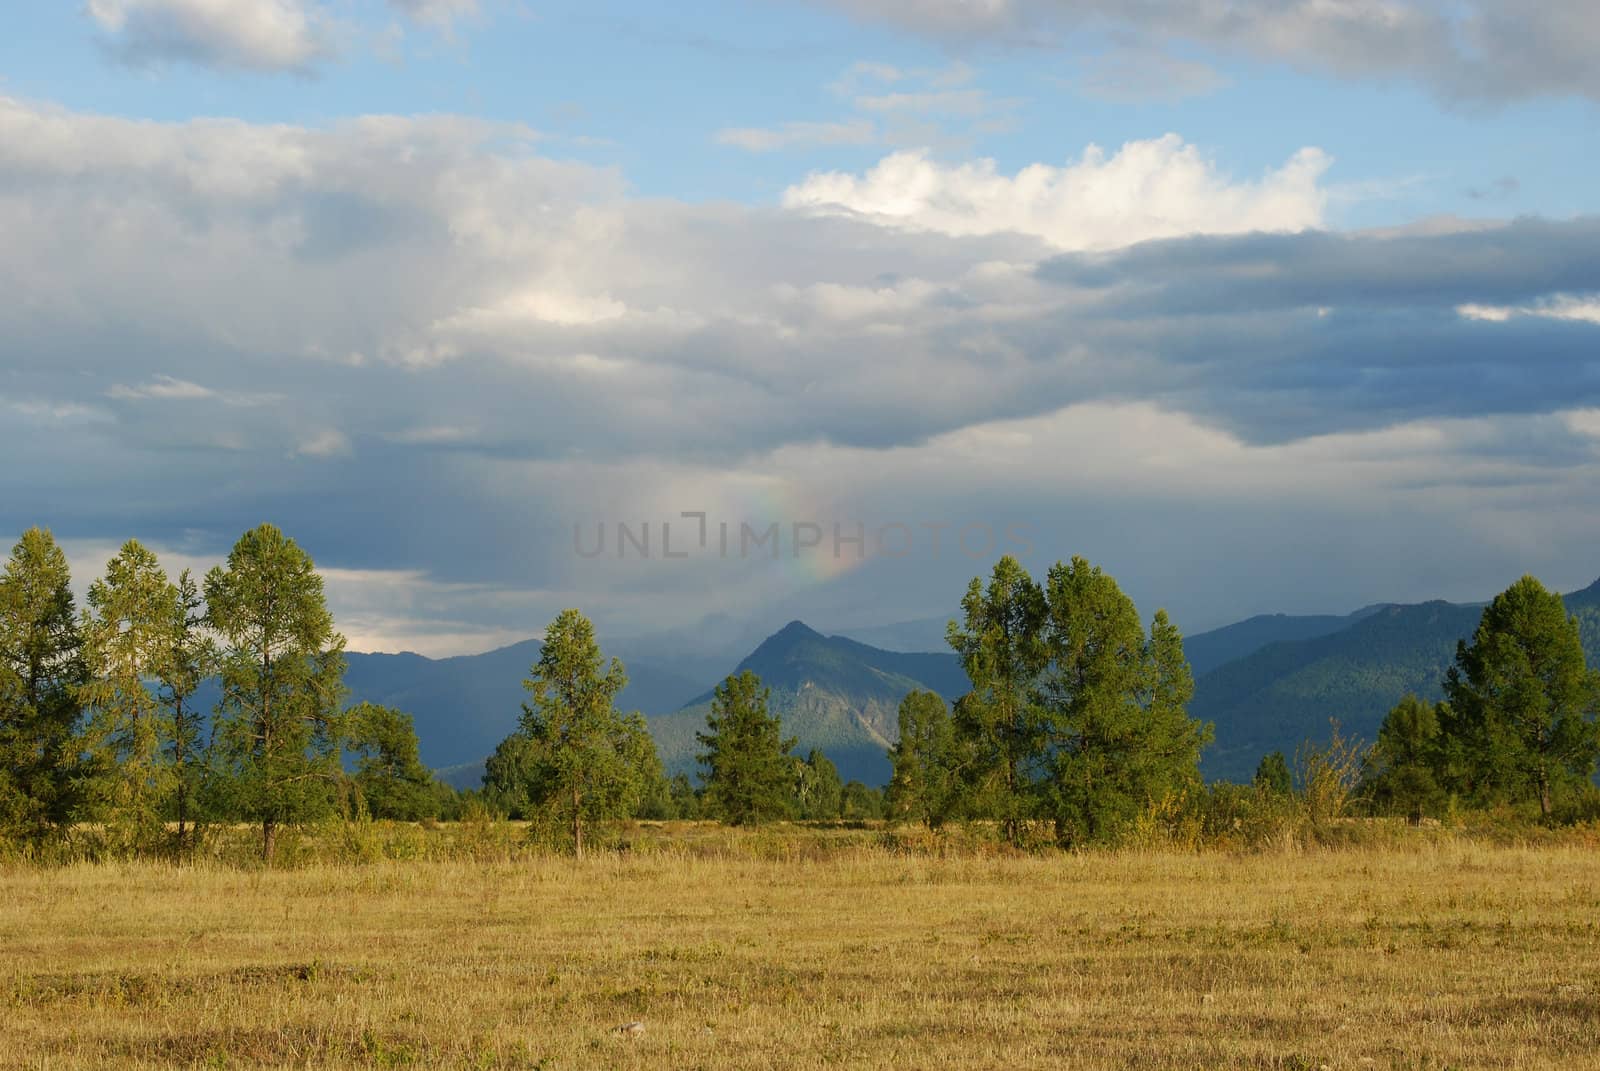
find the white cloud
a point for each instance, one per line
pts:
(257, 35)
(1571, 307)
(1147, 189)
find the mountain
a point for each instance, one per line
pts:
(1208, 650)
(464, 706)
(1286, 692)
(1267, 683)
(833, 693)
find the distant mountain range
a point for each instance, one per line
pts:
(1267, 683)
(832, 693)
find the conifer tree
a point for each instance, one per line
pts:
(1402, 769)
(999, 726)
(1119, 735)
(1522, 702)
(921, 786)
(128, 638)
(746, 758)
(278, 728)
(578, 760)
(191, 658)
(41, 672)
(389, 773)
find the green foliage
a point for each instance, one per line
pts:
(41, 672)
(128, 633)
(818, 792)
(278, 727)
(746, 758)
(191, 657)
(1523, 703)
(575, 760)
(1272, 774)
(389, 775)
(1402, 771)
(999, 727)
(860, 802)
(1075, 716)
(1119, 737)
(922, 787)
(684, 796)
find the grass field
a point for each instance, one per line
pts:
(1439, 955)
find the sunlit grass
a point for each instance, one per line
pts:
(1435, 954)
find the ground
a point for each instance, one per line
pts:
(1430, 956)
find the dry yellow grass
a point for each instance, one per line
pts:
(1445, 955)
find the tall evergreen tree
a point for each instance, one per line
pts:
(128, 637)
(191, 658)
(41, 672)
(998, 724)
(1402, 769)
(389, 773)
(282, 664)
(1119, 736)
(1522, 701)
(746, 758)
(579, 760)
(921, 786)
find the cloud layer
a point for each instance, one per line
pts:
(428, 351)
(1473, 50)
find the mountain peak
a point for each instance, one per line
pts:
(794, 632)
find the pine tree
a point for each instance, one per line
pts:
(389, 774)
(746, 758)
(579, 761)
(1522, 701)
(41, 671)
(1119, 737)
(1401, 775)
(921, 786)
(191, 658)
(278, 725)
(128, 638)
(999, 727)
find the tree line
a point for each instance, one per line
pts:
(165, 705)
(102, 720)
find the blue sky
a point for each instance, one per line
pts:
(428, 282)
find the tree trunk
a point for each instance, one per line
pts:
(269, 840)
(1544, 793)
(577, 824)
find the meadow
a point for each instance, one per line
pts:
(794, 948)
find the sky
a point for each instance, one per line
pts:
(687, 314)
